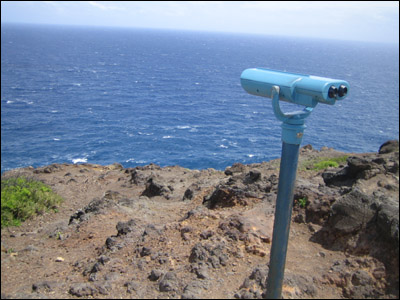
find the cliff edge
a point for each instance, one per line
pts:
(171, 232)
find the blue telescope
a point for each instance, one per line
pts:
(308, 91)
(300, 89)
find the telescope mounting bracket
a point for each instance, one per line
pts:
(293, 122)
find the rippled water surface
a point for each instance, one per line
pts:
(135, 97)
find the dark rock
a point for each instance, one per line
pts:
(151, 231)
(103, 259)
(83, 290)
(131, 286)
(111, 242)
(184, 232)
(351, 213)
(357, 167)
(94, 207)
(154, 188)
(169, 282)
(236, 168)
(206, 234)
(103, 287)
(78, 217)
(124, 228)
(200, 270)
(304, 283)
(259, 275)
(194, 290)
(299, 218)
(308, 147)
(155, 274)
(225, 197)
(188, 194)
(96, 267)
(389, 146)
(145, 251)
(111, 195)
(48, 169)
(228, 172)
(213, 254)
(44, 286)
(319, 209)
(387, 219)
(253, 176)
(136, 177)
(361, 277)
(254, 286)
(379, 272)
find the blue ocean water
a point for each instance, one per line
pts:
(140, 96)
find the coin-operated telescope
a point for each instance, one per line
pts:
(308, 91)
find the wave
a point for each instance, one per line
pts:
(79, 160)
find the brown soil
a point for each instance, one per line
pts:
(120, 235)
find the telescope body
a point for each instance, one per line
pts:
(295, 88)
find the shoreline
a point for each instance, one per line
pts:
(158, 232)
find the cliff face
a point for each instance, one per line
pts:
(151, 232)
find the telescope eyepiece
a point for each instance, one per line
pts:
(333, 91)
(342, 90)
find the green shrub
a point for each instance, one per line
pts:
(324, 162)
(22, 198)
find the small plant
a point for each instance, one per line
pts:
(22, 198)
(10, 250)
(302, 202)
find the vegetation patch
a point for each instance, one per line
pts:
(22, 198)
(323, 163)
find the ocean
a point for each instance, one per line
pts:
(141, 96)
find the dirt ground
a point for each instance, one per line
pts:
(171, 232)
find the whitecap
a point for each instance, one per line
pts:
(56, 139)
(167, 137)
(10, 101)
(223, 146)
(27, 102)
(183, 127)
(54, 111)
(144, 133)
(79, 160)
(130, 160)
(250, 155)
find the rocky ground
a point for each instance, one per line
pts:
(151, 232)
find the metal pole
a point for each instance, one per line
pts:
(283, 214)
(292, 135)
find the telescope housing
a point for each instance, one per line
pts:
(307, 90)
